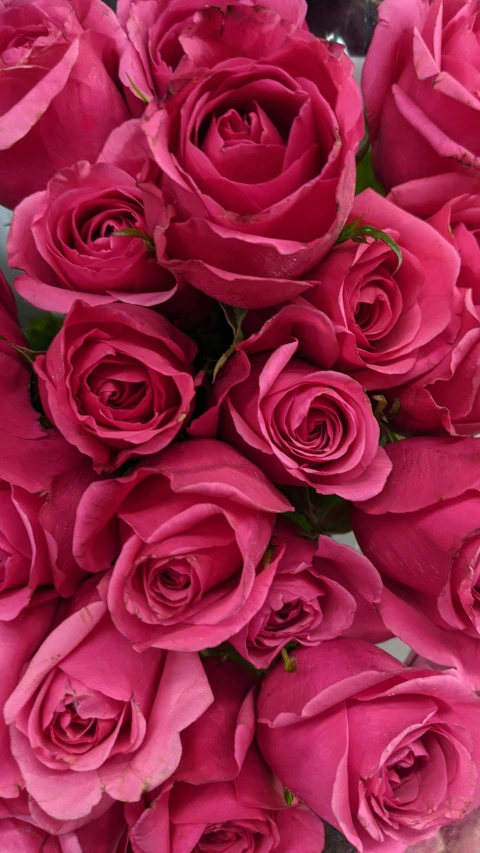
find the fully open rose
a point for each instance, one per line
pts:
(421, 84)
(59, 82)
(155, 29)
(264, 132)
(384, 753)
(187, 534)
(89, 719)
(422, 534)
(117, 381)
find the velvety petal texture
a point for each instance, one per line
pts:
(59, 82)
(422, 535)
(382, 752)
(117, 381)
(188, 536)
(260, 129)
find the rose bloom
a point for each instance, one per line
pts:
(393, 322)
(320, 591)
(384, 753)
(155, 29)
(422, 535)
(187, 534)
(90, 720)
(262, 130)
(117, 382)
(65, 240)
(421, 84)
(224, 796)
(300, 425)
(18, 831)
(60, 82)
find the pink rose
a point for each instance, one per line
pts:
(64, 238)
(19, 639)
(155, 29)
(422, 535)
(60, 73)
(265, 129)
(384, 753)
(213, 819)
(420, 84)
(393, 322)
(300, 425)
(18, 832)
(320, 590)
(91, 720)
(187, 535)
(117, 381)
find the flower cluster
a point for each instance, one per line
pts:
(245, 343)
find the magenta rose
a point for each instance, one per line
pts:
(320, 591)
(214, 819)
(89, 720)
(384, 753)
(188, 535)
(299, 424)
(393, 322)
(60, 82)
(19, 832)
(19, 638)
(265, 129)
(155, 29)
(65, 239)
(422, 535)
(117, 381)
(421, 84)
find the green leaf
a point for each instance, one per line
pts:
(234, 317)
(289, 797)
(135, 232)
(137, 91)
(359, 233)
(365, 175)
(41, 331)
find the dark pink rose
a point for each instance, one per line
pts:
(19, 832)
(187, 534)
(155, 29)
(64, 239)
(249, 147)
(19, 639)
(60, 82)
(117, 381)
(320, 590)
(395, 322)
(91, 720)
(422, 534)
(300, 425)
(384, 753)
(421, 81)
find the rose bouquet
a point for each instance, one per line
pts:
(257, 328)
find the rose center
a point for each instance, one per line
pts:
(222, 838)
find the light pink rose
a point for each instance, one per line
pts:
(155, 29)
(299, 424)
(422, 535)
(384, 753)
(263, 130)
(117, 381)
(90, 720)
(393, 323)
(60, 82)
(19, 832)
(320, 591)
(421, 83)
(187, 534)
(64, 237)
